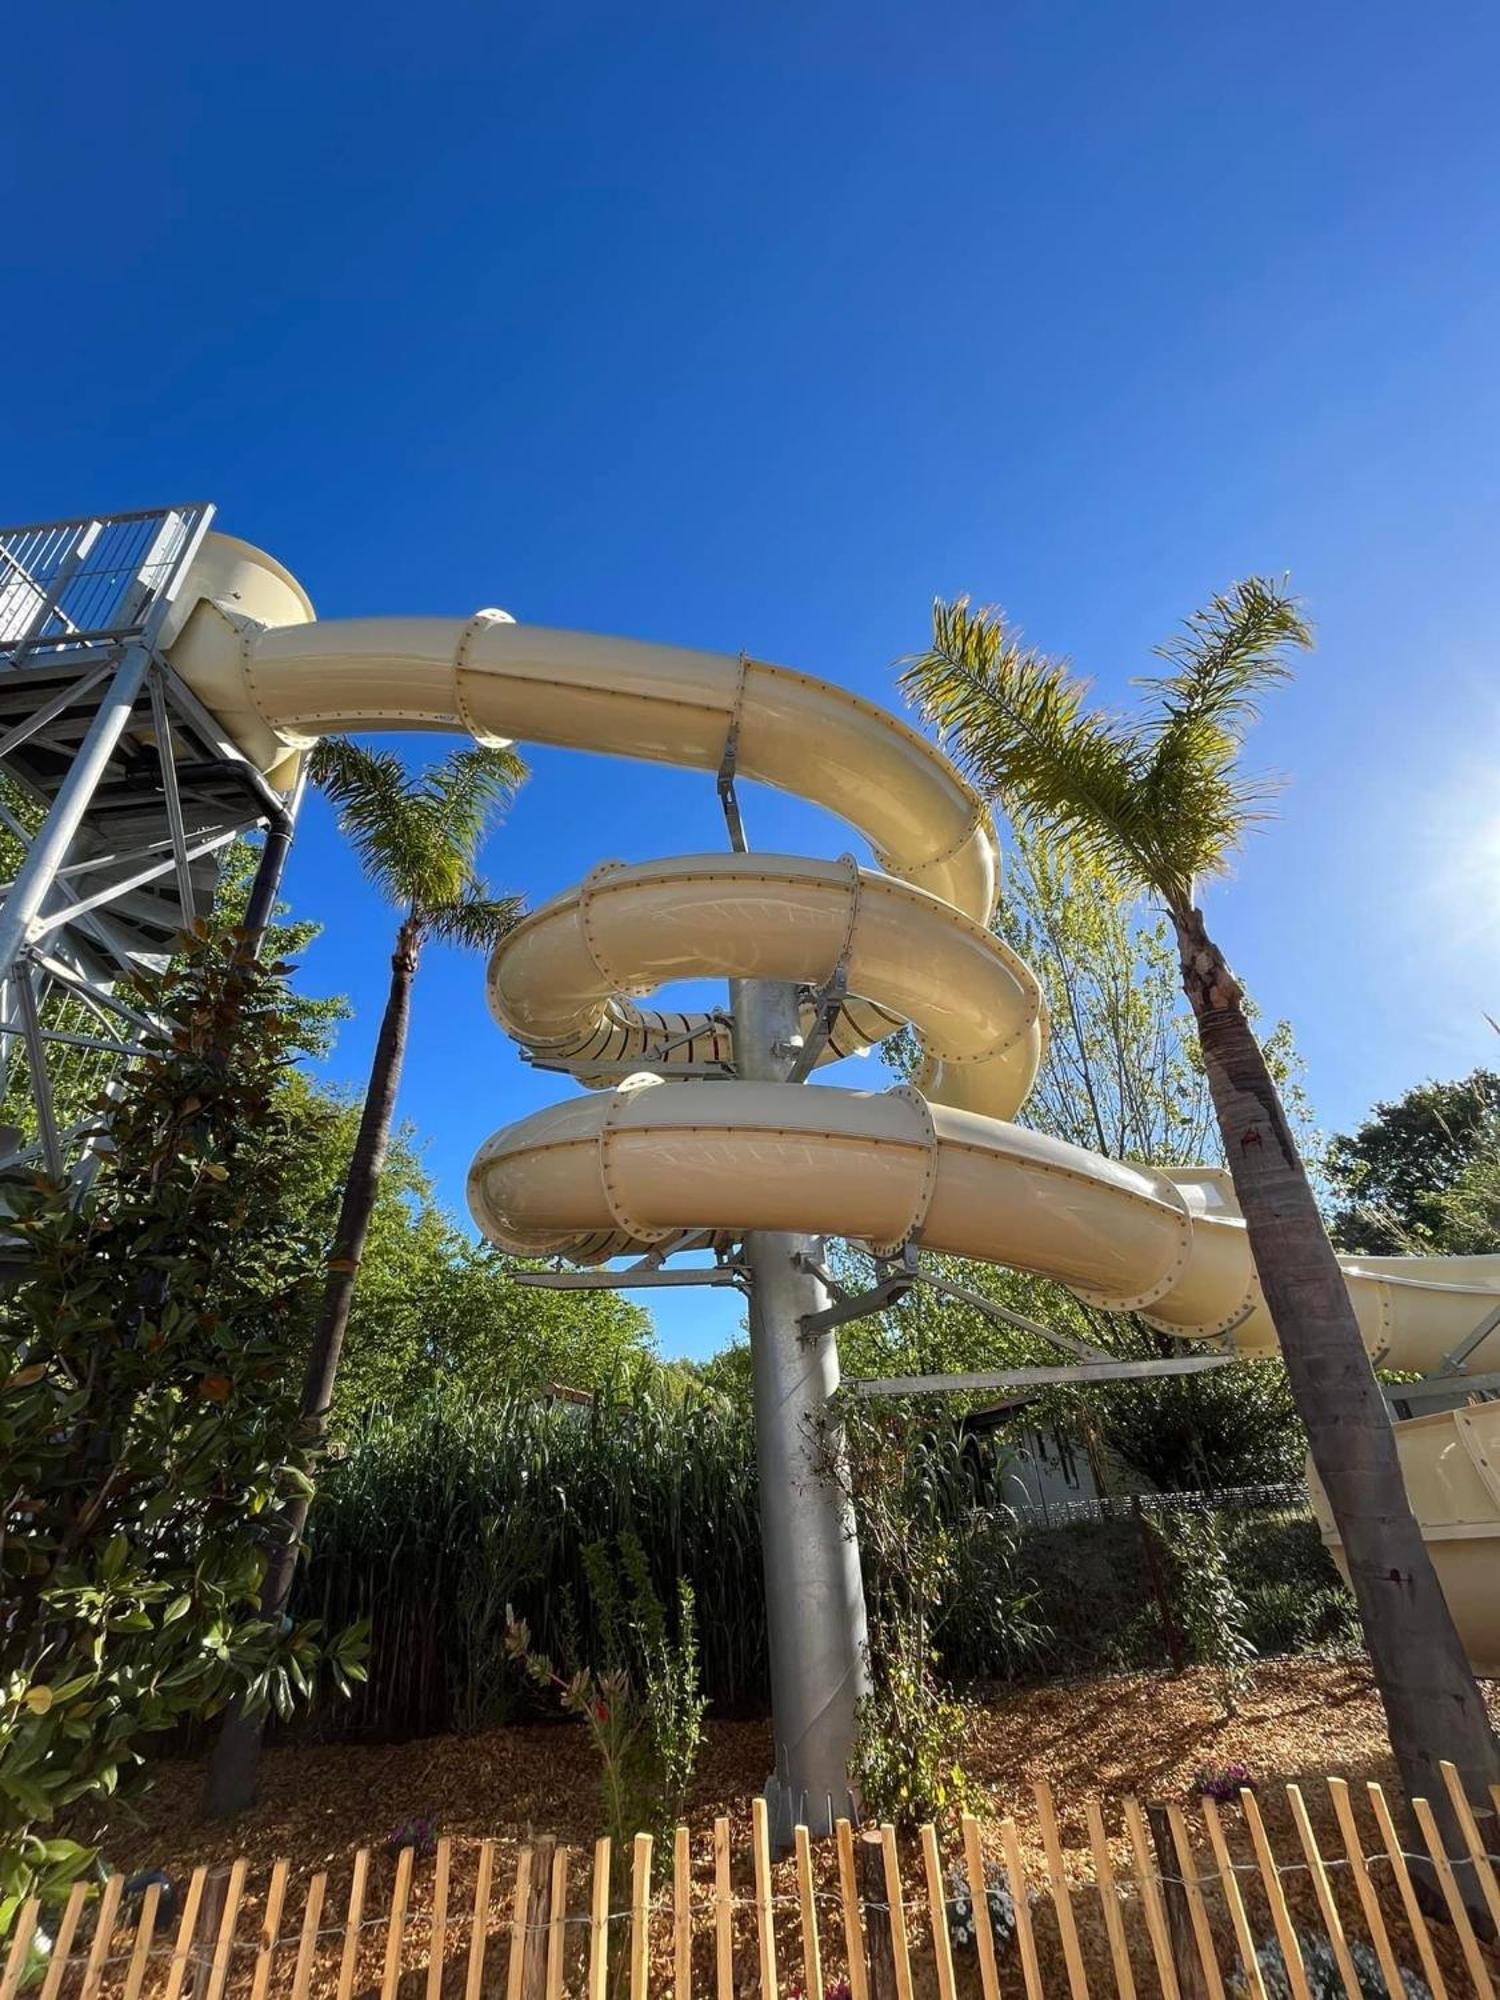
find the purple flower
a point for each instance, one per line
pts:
(1223, 1783)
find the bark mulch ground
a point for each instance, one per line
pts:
(1144, 1734)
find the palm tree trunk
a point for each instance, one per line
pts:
(1433, 1709)
(234, 1766)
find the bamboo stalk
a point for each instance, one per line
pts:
(269, 1928)
(395, 1930)
(1416, 1922)
(1328, 1907)
(104, 1930)
(1057, 1881)
(145, 1926)
(62, 1944)
(937, 1905)
(1151, 1904)
(479, 1928)
(1281, 1916)
(599, 1923)
(640, 1916)
(1369, 1902)
(894, 1896)
(1458, 1916)
(812, 1957)
(442, 1869)
(556, 1922)
(765, 1920)
(854, 1936)
(1109, 1900)
(515, 1972)
(723, 1914)
(350, 1953)
(1229, 1883)
(1030, 1970)
(307, 1947)
(1484, 1868)
(682, 1914)
(233, 1894)
(186, 1930)
(20, 1948)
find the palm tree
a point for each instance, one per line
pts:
(1160, 801)
(418, 838)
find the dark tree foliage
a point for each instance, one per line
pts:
(148, 1425)
(1393, 1174)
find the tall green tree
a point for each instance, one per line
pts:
(418, 836)
(1159, 800)
(146, 1416)
(1394, 1176)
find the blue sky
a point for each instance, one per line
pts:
(756, 327)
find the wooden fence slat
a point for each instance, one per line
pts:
(187, 1930)
(1031, 1974)
(270, 1925)
(682, 1914)
(1229, 1884)
(479, 1926)
(104, 1930)
(351, 1923)
(307, 1946)
(1281, 1916)
(1151, 1904)
(1484, 1868)
(438, 1925)
(937, 1905)
(145, 1927)
(1333, 1923)
(895, 1896)
(723, 1913)
(1192, 1889)
(233, 1896)
(765, 1916)
(20, 1948)
(812, 1957)
(854, 1936)
(1369, 1901)
(599, 1923)
(1458, 1916)
(395, 1930)
(557, 1918)
(1109, 1900)
(62, 1944)
(515, 1971)
(1415, 1921)
(1057, 1881)
(979, 1902)
(640, 1916)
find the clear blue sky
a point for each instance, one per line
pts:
(755, 327)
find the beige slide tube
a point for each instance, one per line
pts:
(629, 1167)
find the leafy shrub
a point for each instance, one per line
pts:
(1205, 1601)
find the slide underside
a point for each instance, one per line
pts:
(638, 1160)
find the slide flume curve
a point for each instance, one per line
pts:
(630, 1166)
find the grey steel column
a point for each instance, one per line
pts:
(49, 850)
(815, 1604)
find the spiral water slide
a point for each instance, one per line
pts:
(712, 1141)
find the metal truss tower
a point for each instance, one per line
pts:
(119, 795)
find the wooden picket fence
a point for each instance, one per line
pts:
(1189, 1901)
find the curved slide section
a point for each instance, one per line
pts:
(601, 1176)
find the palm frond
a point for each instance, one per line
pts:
(1015, 722)
(1226, 654)
(476, 920)
(417, 835)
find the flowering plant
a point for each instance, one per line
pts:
(1223, 1783)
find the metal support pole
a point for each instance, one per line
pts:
(266, 886)
(815, 1605)
(49, 849)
